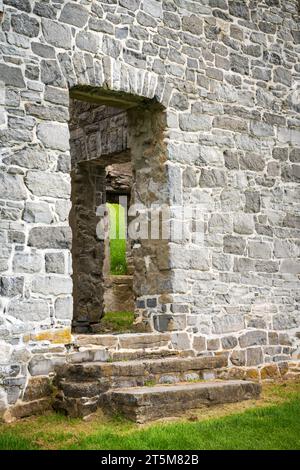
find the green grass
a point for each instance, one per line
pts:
(270, 423)
(117, 322)
(117, 238)
(9, 441)
(269, 428)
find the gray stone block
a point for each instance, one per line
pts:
(32, 157)
(40, 365)
(243, 224)
(56, 34)
(52, 285)
(64, 308)
(153, 8)
(23, 5)
(54, 135)
(252, 162)
(193, 24)
(12, 76)
(228, 323)
(148, 403)
(234, 245)
(51, 74)
(253, 338)
(27, 263)
(260, 250)
(193, 122)
(167, 322)
(50, 237)
(199, 343)
(12, 187)
(11, 286)
(37, 212)
(45, 10)
(253, 201)
(29, 310)
(238, 358)
(43, 50)
(55, 263)
(239, 9)
(295, 155)
(229, 342)
(48, 184)
(88, 41)
(25, 25)
(75, 15)
(212, 178)
(254, 357)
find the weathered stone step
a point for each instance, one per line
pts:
(101, 354)
(141, 372)
(130, 341)
(81, 389)
(125, 355)
(149, 403)
(76, 407)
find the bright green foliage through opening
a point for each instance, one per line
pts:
(117, 237)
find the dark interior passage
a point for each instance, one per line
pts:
(101, 173)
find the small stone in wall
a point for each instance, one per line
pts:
(270, 372)
(55, 263)
(199, 343)
(64, 308)
(11, 286)
(213, 344)
(37, 387)
(50, 237)
(29, 310)
(238, 358)
(254, 357)
(229, 342)
(253, 338)
(40, 365)
(37, 212)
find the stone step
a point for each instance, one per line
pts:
(75, 407)
(141, 372)
(130, 341)
(125, 355)
(143, 404)
(101, 354)
(81, 389)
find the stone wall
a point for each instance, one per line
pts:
(88, 191)
(96, 132)
(227, 74)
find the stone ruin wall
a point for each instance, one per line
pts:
(227, 73)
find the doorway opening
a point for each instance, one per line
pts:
(113, 147)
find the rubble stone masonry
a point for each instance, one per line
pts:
(211, 90)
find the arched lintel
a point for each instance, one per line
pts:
(115, 83)
(118, 99)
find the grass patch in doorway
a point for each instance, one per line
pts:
(118, 322)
